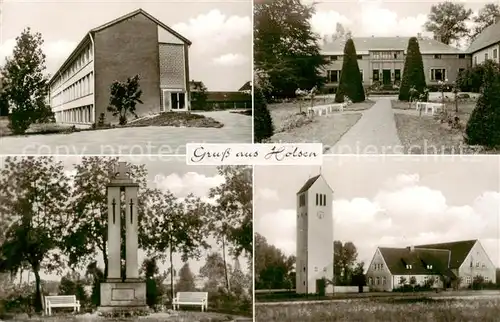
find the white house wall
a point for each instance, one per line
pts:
(481, 265)
(164, 36)
(479, 57)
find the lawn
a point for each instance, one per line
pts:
(383, 310)
(428, 135)
(172, 119)
(291, 126)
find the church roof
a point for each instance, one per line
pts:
(308, 184)
(442, 258)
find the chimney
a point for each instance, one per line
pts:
(437, 37)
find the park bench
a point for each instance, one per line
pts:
(429, 106)
(56, 301)
(191, 298)
(325, 109)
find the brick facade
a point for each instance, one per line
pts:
(124, 50)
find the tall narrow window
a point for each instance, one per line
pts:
(317, 199)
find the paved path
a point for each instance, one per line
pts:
(374, 133)
(139, 140)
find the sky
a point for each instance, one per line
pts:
(221, 31)
(367, 18)
(388, 201)
(166, 173)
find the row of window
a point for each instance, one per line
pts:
(83, 59)
(402, 280)
(80, 88)
(486, 56)
(398, 55)
(436, 74)
(320, 199)
(378, 266)
(478, 264)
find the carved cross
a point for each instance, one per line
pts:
(131, 207)
(114, 210)
(122, 170)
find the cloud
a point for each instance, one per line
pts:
(324, 23)
(55, 52)
(230, 60)
(212, 31)
(372, 19)
(190, 182)
(403, 213)
(266, 194)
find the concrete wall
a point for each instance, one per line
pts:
(479, 57)
(476, 263)
(349, 289)
(124, 50)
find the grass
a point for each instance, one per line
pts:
(428, 135)
(383, 310)
(176, 119)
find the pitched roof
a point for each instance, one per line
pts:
(86, 39)
(459, 250)
(308, 184)
(246, 87)
(489, 36)
(365, 44)
(397, 260)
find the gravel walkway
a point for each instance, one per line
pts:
(374, 133)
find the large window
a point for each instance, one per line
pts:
(438, 74)
(495, 53)
(387, 55)
(333, 76)
(375, 75)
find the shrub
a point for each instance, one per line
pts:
(350, 84)
(124, 97)
(413, 72)
(263, 122)
(483, 127)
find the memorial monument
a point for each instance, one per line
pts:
(122, 293)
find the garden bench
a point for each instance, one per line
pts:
(428, 106)
(191, 298)
(326, 109)
(56, 301)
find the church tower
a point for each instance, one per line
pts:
(314, 235)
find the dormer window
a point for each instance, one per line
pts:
(429, 266)
(408, 266)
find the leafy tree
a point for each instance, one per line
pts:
(285, 46)
(273, 270)
(485, 18)
(97, 277)
(447, 20)
(154, 281)
(484, 123)
(198, 95)
(25, 84)
(169, 227)
(471, 79)
(72, 284)
(413, 71)
(186, 280)
(231, 218)
(4, 102)
(239, 281)
(358, 275)
(344, 260)
(350, 84)
(87, 221)
(214, 271)
(124, 97)
(262, 120)
(33, 195)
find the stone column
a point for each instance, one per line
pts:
(114, 270)
(132, 266)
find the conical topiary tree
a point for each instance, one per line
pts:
(351, 84)
(483, 127)
(413, 71)
(262, 120)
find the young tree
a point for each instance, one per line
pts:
(87, 222)
(214, 271)
(169, 226)
(151, 271)
(351, 84)
(124, 97)
(25, 84)
(484, 123)
(262, 120)
(198, 95)
(485, 18)
(447, 20)
(345, 256)
(34, 192)
(186, 280)
(285, 46)
(96, 275)
(413, 71)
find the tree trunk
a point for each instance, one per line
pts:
(171, 275)
(38, 293)
(226, 275)
(105, 260)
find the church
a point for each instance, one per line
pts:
(314, 236)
